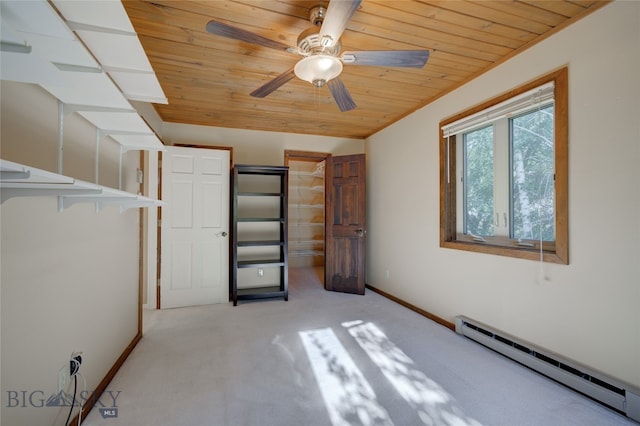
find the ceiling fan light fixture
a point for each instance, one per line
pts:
(318, 69)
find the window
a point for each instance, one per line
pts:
(503, 174)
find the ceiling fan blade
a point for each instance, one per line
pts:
(339, 12)
(387, 58)
(274, 84)
(341, 95)
(225, 30)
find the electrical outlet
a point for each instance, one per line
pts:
(260, 272)
(75, 362)
(63, 377)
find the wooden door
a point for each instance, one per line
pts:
(345, 228)
(195, 227)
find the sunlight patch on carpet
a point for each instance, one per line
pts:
(432, 403)
(347, 395)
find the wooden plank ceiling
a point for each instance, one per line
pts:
(208, 78)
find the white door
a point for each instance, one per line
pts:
(194, 228)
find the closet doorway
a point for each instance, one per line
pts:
(306, 210)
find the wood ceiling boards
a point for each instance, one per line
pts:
(207, 78)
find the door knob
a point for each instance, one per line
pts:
(360, 232)
(222, 234)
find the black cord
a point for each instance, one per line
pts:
(73, 401)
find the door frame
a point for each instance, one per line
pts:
(311, 156)
(143, 228)
(147, 223)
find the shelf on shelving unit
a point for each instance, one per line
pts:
(260, 243)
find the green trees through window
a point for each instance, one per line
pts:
(532, 187)
(478, 182)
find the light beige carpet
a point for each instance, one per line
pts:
(327, 358)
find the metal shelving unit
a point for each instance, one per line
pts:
(259, 233)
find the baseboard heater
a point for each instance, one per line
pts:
(615, 394)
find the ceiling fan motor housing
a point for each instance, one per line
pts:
(310, 42)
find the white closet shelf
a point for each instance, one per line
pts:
(17, 180)
(301, 173)
(305, 206)
(295, 188)
(305, 224)
(308, 244)
(304, 253)
(69, 51)
(74, 38)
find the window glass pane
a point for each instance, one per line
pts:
(478, 182)
(532, 169)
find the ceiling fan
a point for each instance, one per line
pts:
(320, 48)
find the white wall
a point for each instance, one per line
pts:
(588, 310)
(258, 147)
(69, 279)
